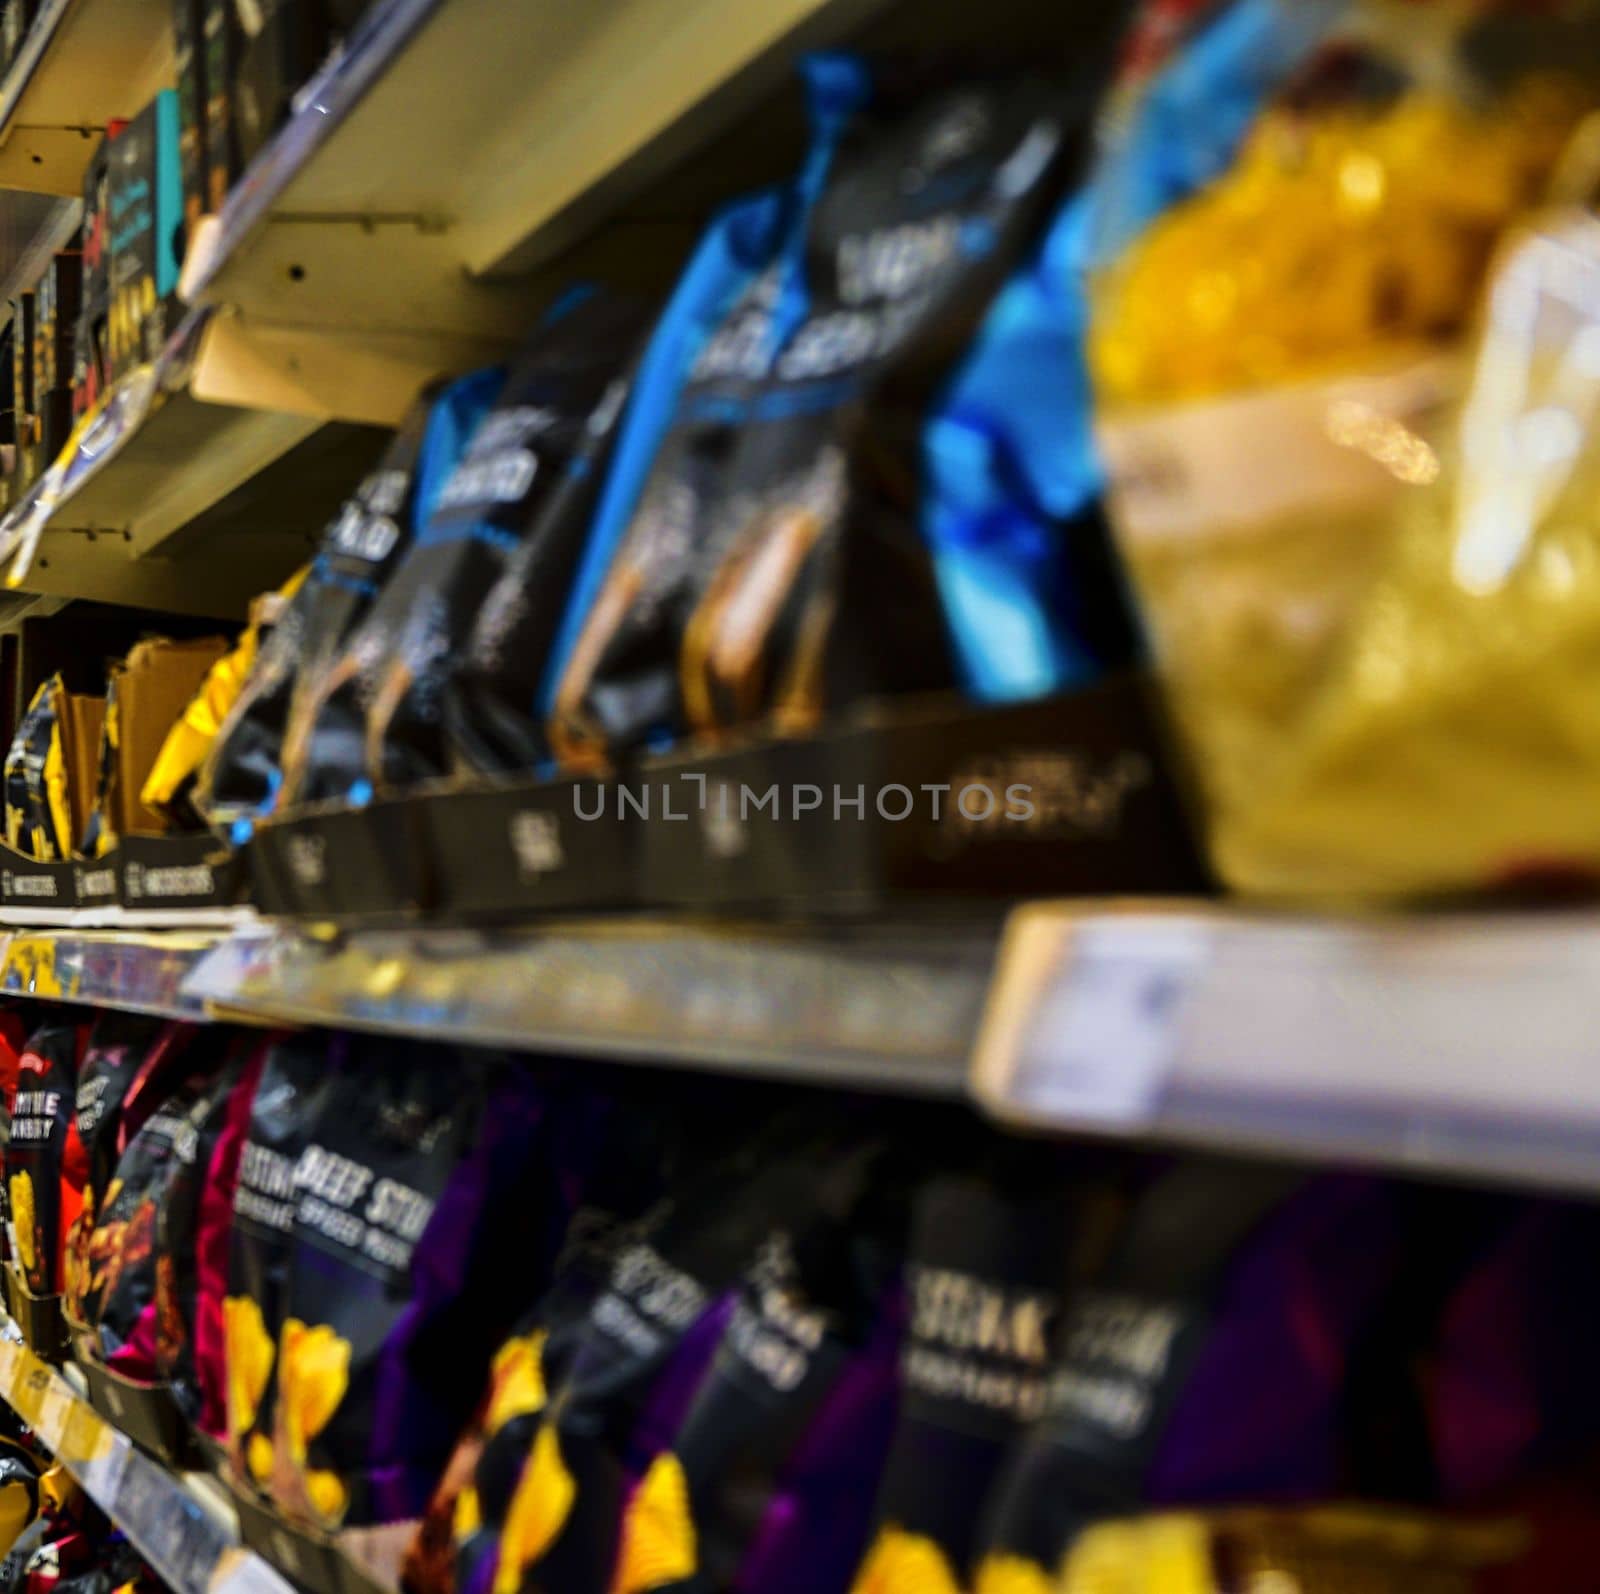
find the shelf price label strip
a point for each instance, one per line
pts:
(1085, 1020)
(186, 1544)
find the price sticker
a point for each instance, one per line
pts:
(1106, 1026)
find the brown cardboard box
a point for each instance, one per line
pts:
(81, 719)
(151, 688)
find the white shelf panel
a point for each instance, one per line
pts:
(1451, 1044)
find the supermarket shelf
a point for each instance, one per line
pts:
(182, 1525)
(174, 500)
(82, 63)
(1445, 1045)
(1452, 1044)
(142, 971)
(455, 142)
(887, 1007)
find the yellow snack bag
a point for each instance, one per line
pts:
(1276, 358)
(1455, 743)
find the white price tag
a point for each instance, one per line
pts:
(1100, 1044)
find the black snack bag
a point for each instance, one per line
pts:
(988, 1259)
(220, 40)
(1211, 1357)
(418, 1204)
(504, 536)
(296, 1076)
(610, 1164)
(119, 1298)
(363, 542)
(188, 1240)
(491, 696)
(326, 742)
(281, 44)
(31, 823)
(189, 68)
(768, 1482)
(775, 561)
(119, 1046)
(36, 1155)
(646, 1341)
(123, 1054)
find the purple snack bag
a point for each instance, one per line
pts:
(1209, 1360)
(421, 1183)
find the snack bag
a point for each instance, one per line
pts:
(296, 1075)
(19, 1493)
(243, 769)
(191, 1241)
(120, 1297)
(747, 258)
(425, 1172)
(324, 744)
(38, 812)
(611, 1160)
(170, 787)
(42, 1200)
(770, 567)
(122, 1057)
(768, 1483)
(986, 1263)
(1447, 747)
(643, 1348)
(1206, 1362)
(512, 499)
(1277, 327)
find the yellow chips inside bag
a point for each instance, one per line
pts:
(1277, 361)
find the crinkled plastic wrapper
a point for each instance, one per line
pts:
(1454, 744)
(1277, 354)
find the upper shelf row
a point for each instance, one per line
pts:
(450, 167)
(385, 234)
